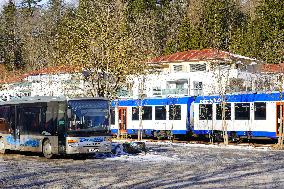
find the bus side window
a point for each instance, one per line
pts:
(31, 120)
(61, 117)
(4, 119)
(49, 126)
(12, 119)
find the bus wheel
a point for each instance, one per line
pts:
(47, 149)
(2, 146)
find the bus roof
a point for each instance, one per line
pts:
(33, 100)
(89, 98)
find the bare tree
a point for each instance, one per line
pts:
(100, 41)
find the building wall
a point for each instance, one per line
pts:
(170, 81)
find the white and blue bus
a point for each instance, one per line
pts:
(55, 125)
(160, 116)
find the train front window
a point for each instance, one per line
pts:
(89, 115)
(260, 111)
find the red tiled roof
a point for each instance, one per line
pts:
(273, 68)
(49, 70)
(193, 55)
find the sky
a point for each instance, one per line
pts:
(2, 2)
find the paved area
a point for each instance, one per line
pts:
(164, 166)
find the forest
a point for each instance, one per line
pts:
(113, 39)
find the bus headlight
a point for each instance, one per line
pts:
(71, 141)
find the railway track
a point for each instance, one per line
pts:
(255, 143)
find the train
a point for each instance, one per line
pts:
(254, 115)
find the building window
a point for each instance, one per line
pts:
(242, 111)
(205, 111)
(197, 88)
(197, 67)
(227, 111)
(177, 68)
(160, 113)
(147, 113)
(260, 111)
(135, 113)
(175, 112)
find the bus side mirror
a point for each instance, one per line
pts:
(69, 113)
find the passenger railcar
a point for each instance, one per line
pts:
(159, 115)
(253, 115)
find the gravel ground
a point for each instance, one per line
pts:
(164, 166)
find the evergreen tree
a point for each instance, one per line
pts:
(219, 20)
(188, 37)
(11, 44)
(268, 32)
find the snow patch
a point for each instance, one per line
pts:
(220, 146)
(144, 158)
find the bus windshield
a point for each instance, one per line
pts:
(89, 115)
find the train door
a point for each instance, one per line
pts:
(122, 114)
(280, 110)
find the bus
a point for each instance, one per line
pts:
(55, 125)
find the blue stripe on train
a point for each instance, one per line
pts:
(148, 131)
(239, 98)
(154, 101)
(242, 133)
(257, 134)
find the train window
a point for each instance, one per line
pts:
(135, 113)
(227, 111)
(260, 111)
(242, 111)
(147, 113)
(205, 111)
(160, 113)
(112, 116)
(175, 112)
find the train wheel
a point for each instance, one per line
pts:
(2, 146)
(47, 149)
